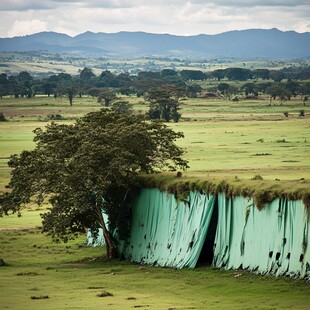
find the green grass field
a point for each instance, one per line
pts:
(222, 138)
(224, 141)
(41, 275)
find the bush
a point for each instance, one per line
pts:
(104, 294)
(54, 116)
(257, 178)
(2, 117)
(285, 114)
(301, 113)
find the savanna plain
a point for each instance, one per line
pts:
(224, 140)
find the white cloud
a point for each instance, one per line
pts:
(23, 5)
(24, 27)
(183, 17)
(302, 26)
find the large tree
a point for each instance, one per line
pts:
(88, 168)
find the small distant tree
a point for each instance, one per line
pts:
(68, 89)
(48, 88)
(94, 92)
(238, 74)
(2, 117)
(277, 75)
(193, 90)
(223, 89)
(218, 74)
(107, 96)
(192, 75)
(168, 72)
(163, 105)
(87, 74)
(250, 89)
(122, 106)
(277, 90)
(305, 92)
(263, 74)
(24, 81)
(14, 86)
(292, 88)
(304, 100)
(108, 79)
(4, 85)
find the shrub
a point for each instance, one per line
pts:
(2, 117)
(301, 113)
(257, 178)
(54, 116)
(179, 174)
(285, 114)
(104, 294)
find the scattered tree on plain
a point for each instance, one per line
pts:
(163, 105)
(74, 167)
(107, 96)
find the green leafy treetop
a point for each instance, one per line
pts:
(75, 166)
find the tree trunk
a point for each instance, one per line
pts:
(107, 102)
(70, 100)
(109, 240)
(110, 244)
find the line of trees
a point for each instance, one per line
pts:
(161, 90)
(275, 90)
(24, 85)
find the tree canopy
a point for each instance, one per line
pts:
(164, 104)
(74, 167)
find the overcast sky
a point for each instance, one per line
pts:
(181, 17)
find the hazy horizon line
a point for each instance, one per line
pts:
(154, 33)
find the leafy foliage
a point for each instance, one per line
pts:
(75, 166)
(164, 104)
(122, 106)
(107, 96)
(2, 117)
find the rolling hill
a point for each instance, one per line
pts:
(252, 43)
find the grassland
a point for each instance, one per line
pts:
(224, 140)
(41, 275)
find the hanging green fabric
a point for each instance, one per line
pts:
(232, 217)
(273, 240)
(166, 232)
(99, 240)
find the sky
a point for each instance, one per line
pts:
(179, 17)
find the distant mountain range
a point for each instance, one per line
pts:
(253, 43)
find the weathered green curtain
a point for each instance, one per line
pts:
(99, 240)
(273, 240)
(165, 232)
